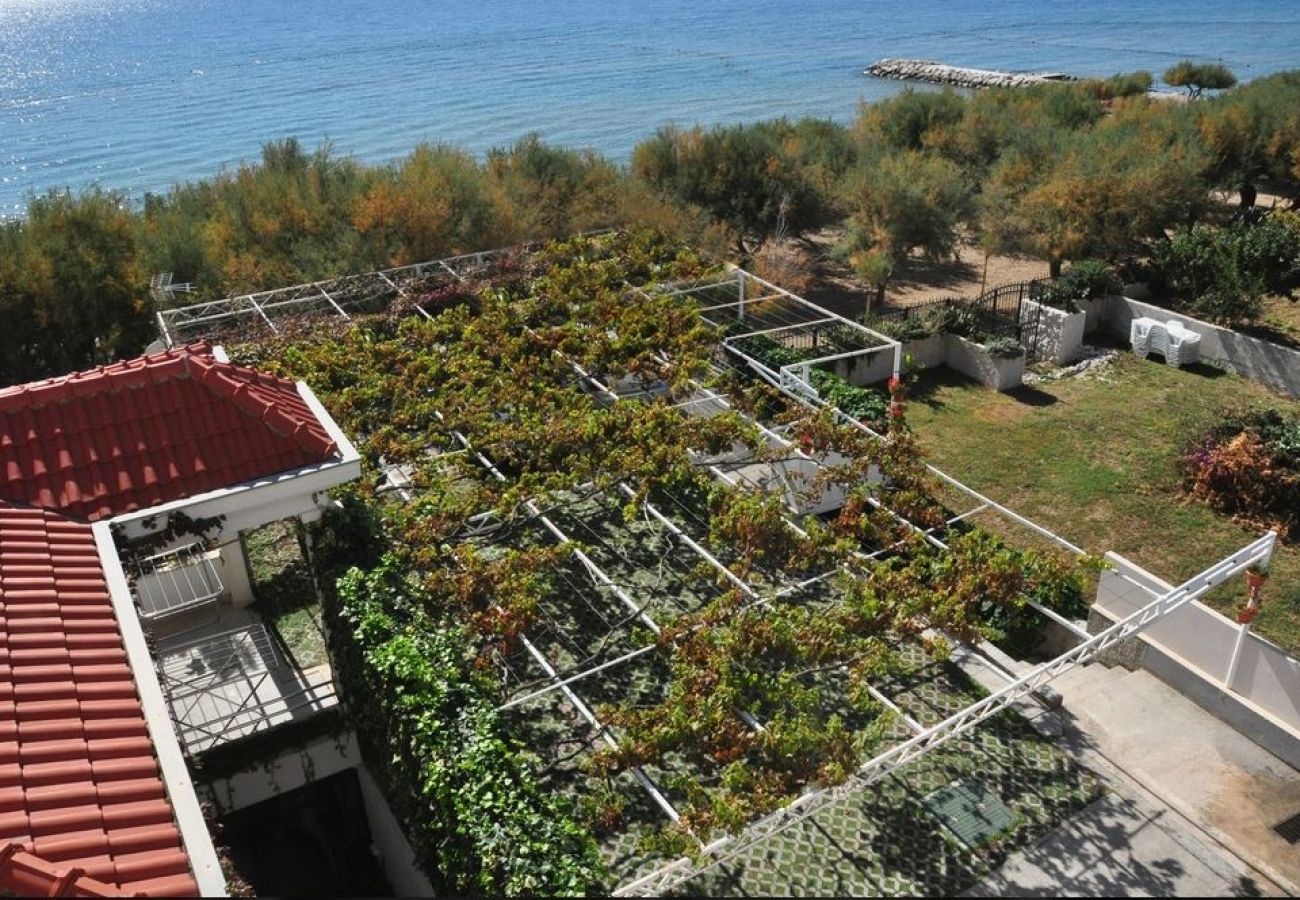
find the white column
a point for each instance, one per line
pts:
(235, 572)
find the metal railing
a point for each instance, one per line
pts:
(168, 583)
(235, 683)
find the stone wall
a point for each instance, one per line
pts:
(1058, 336)
(939, 73)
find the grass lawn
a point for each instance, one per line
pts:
(1097, 461)
(285, 595)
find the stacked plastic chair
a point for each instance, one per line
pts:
(1178, 345)
(1140, 335)
(1183, 346)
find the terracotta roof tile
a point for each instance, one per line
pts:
(83, 811)
(147, 431)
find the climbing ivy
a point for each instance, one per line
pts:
(472, 809)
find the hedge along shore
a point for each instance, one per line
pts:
(938, 73)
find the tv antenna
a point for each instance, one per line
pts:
(163, 289)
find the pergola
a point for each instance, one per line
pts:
(626, 577)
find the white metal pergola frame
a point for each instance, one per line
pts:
(336, 297)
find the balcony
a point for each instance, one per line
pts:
(235, 678)
(174, 582)
(227, 665)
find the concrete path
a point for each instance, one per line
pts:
(1193, 807)
(1121, 847)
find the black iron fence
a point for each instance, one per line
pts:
(999, 312)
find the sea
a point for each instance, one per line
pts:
(140, 94)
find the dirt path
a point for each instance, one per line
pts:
(834, 286)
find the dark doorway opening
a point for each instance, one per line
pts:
(310, 842)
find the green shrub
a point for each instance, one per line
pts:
(475, 814)
(1203, 268)
(1004, 348)
(1126, 84)
(1268, 250)
(904, 328)
(952, 319)
(864, 404)
(1088, 279)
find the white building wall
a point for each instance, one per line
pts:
(319, 759)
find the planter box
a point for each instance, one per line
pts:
(1058, 336)
(928, 352)
(957, 353)
(973, 361)
(861, 371)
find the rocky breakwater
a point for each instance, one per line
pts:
(938, 73)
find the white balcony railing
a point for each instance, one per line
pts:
(169, 583)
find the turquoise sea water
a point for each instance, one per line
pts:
(138, 94)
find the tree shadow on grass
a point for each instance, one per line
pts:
(1031, 396)
(951, 274)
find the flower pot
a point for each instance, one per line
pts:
(1246, 614)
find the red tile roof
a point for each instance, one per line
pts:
(150, 430)
(83, 811)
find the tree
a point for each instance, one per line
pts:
(433, 203)
(1253, 133)
(744, 175)
(548, 192)
(1108, 192)
(1197, 77)
(900, 203)
(283, 220)
(906, 121)
(73, 292)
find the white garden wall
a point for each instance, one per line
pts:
(1259, 360)
(1192, 648)
(973, 361)
(877, 367)
(1058, 335)
(966, 357)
